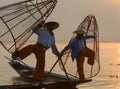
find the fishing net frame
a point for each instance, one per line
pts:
(90, 26)
(15, 18)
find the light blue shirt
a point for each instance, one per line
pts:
(46, 39)
(76, 46)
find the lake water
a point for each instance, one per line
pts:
(108, 77)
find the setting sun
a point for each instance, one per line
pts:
(116, 1)
(119, 48)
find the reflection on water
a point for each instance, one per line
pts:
(118, 45)
(108, 78)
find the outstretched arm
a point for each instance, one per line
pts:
(36, 28)
(88, 37)
(55, 50)
(65, 49)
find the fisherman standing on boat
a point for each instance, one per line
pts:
(45, 41)
(79, 50)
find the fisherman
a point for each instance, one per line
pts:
(46, 40)
(79, 50)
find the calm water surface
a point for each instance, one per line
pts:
(108, 77)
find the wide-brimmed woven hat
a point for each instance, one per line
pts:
(51, 25)
(79, 32)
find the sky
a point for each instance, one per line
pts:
(70, 13)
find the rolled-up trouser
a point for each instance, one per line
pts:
(90, 54)
(86, 52)
(80, 63)
(39, 52)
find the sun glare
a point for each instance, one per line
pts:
(116, 1)
(119, 48)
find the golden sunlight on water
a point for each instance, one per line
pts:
(118, 48)
(108, 77)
